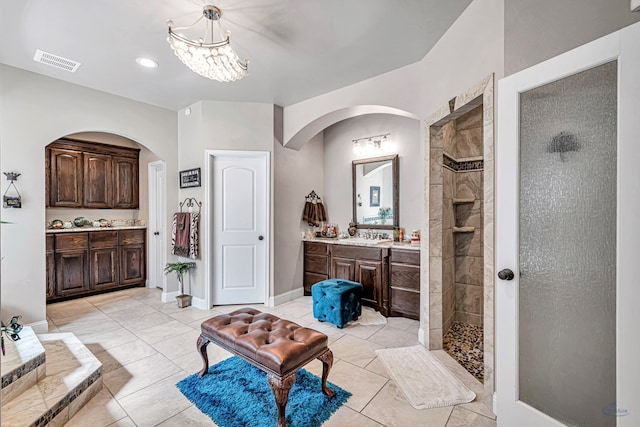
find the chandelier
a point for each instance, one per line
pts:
(210, 57)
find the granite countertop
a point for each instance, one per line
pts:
(77, 229)
(384, 243)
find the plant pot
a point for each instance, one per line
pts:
(183, 300)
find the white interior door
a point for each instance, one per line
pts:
(155, 226)
(568, 197)
(240, 227)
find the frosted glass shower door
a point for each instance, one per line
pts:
(568, 239)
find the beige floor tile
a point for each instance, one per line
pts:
(390, 408)
(191, 416)
(124, 354)
(118, 304)
(361, 331)
(156, 403)
(355, 350)
(162, 332)
(377, 368)
(294, 309)
(191, 314)
(153, 318)
(328, 329)
(347, 417)
(124, 422)
(107, 339)
(135, 376)
(101, 411)
(390, 337)
(401, 323)
(70, 309)
(191, 362)
(362, 384)
(463, 418)
(179, 345)
(88, 325)
(129, 315)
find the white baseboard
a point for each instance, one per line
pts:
(199, 303)
(286, 297)
(169, 296)
(41, 327)
(495, 403)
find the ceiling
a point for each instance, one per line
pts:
(297, 49)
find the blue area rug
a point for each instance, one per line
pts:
(236, 394)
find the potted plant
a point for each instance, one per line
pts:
(384, 213)
(180, 268)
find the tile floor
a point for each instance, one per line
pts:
(147, 346)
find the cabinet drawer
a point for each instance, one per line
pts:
(405, 256)
(354, 252)
(405, 276)
(103, 239)
(316, 264)
(131, 237)
(70, 241)
(406, 303)
(315, 248)
(49, 243)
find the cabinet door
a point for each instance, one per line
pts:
(51, 274)
(132, 264)
(98, 181)
(125, 176)
(65, 175)
(342, 268)
(104, 268)
(369, 274)
(72, 272)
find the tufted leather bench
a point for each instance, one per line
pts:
(277, 346)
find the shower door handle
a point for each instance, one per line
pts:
(505, 274)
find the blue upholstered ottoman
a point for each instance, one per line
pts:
(336, 301)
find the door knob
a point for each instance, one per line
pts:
(156, 233)
(506, 274)
(260, 237)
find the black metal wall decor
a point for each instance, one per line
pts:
(10, 200)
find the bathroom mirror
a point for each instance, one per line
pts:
(375, 192)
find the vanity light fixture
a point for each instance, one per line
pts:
(376, 144)
(210, 56)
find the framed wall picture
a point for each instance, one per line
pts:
(190, 178)
(374, 196)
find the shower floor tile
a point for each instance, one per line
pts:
(464, 342)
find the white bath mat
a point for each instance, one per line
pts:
(425, 382)
(370, 317)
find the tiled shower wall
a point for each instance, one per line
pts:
(462, 252)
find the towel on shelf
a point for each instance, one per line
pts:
(184, 234)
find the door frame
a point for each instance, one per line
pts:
(153, 264)
(207, 225)
(595, 53)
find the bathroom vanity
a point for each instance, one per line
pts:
(389, 273)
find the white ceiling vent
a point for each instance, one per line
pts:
(56, 61)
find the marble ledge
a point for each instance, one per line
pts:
(78, 229)
(372, 243)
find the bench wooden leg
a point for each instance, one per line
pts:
(327, 362)
(202, 348)
(281, 387)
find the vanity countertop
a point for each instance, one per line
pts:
(385, 243)
(78, 229)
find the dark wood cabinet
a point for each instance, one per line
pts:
(84, 174)
(97, 181)
(366, 265)
(84, 263)
(390, 277)
(316, 264)
(64, 169)
(404, 283)
(132, 257)
(72, 264)
(50, 267)
(125, 179)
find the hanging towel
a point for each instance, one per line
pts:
(184, 234)
(180, 232)
(193, 235)
(306, 212)
(322, 212)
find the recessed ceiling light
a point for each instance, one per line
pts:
(147, 63)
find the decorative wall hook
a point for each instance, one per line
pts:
(12, 201)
